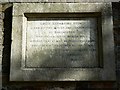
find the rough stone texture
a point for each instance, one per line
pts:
(91, 1)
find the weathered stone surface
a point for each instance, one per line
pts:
(97, 86)
(59, 74)
(65, 43)
(58, 7)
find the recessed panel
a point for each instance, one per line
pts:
(61, 43)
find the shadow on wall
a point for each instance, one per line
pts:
(7, 45)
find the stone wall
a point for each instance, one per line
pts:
(5, 10)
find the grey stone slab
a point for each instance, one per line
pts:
(20, 72)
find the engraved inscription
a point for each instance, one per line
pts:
(61, 43)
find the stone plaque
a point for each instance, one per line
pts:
(61, 43)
